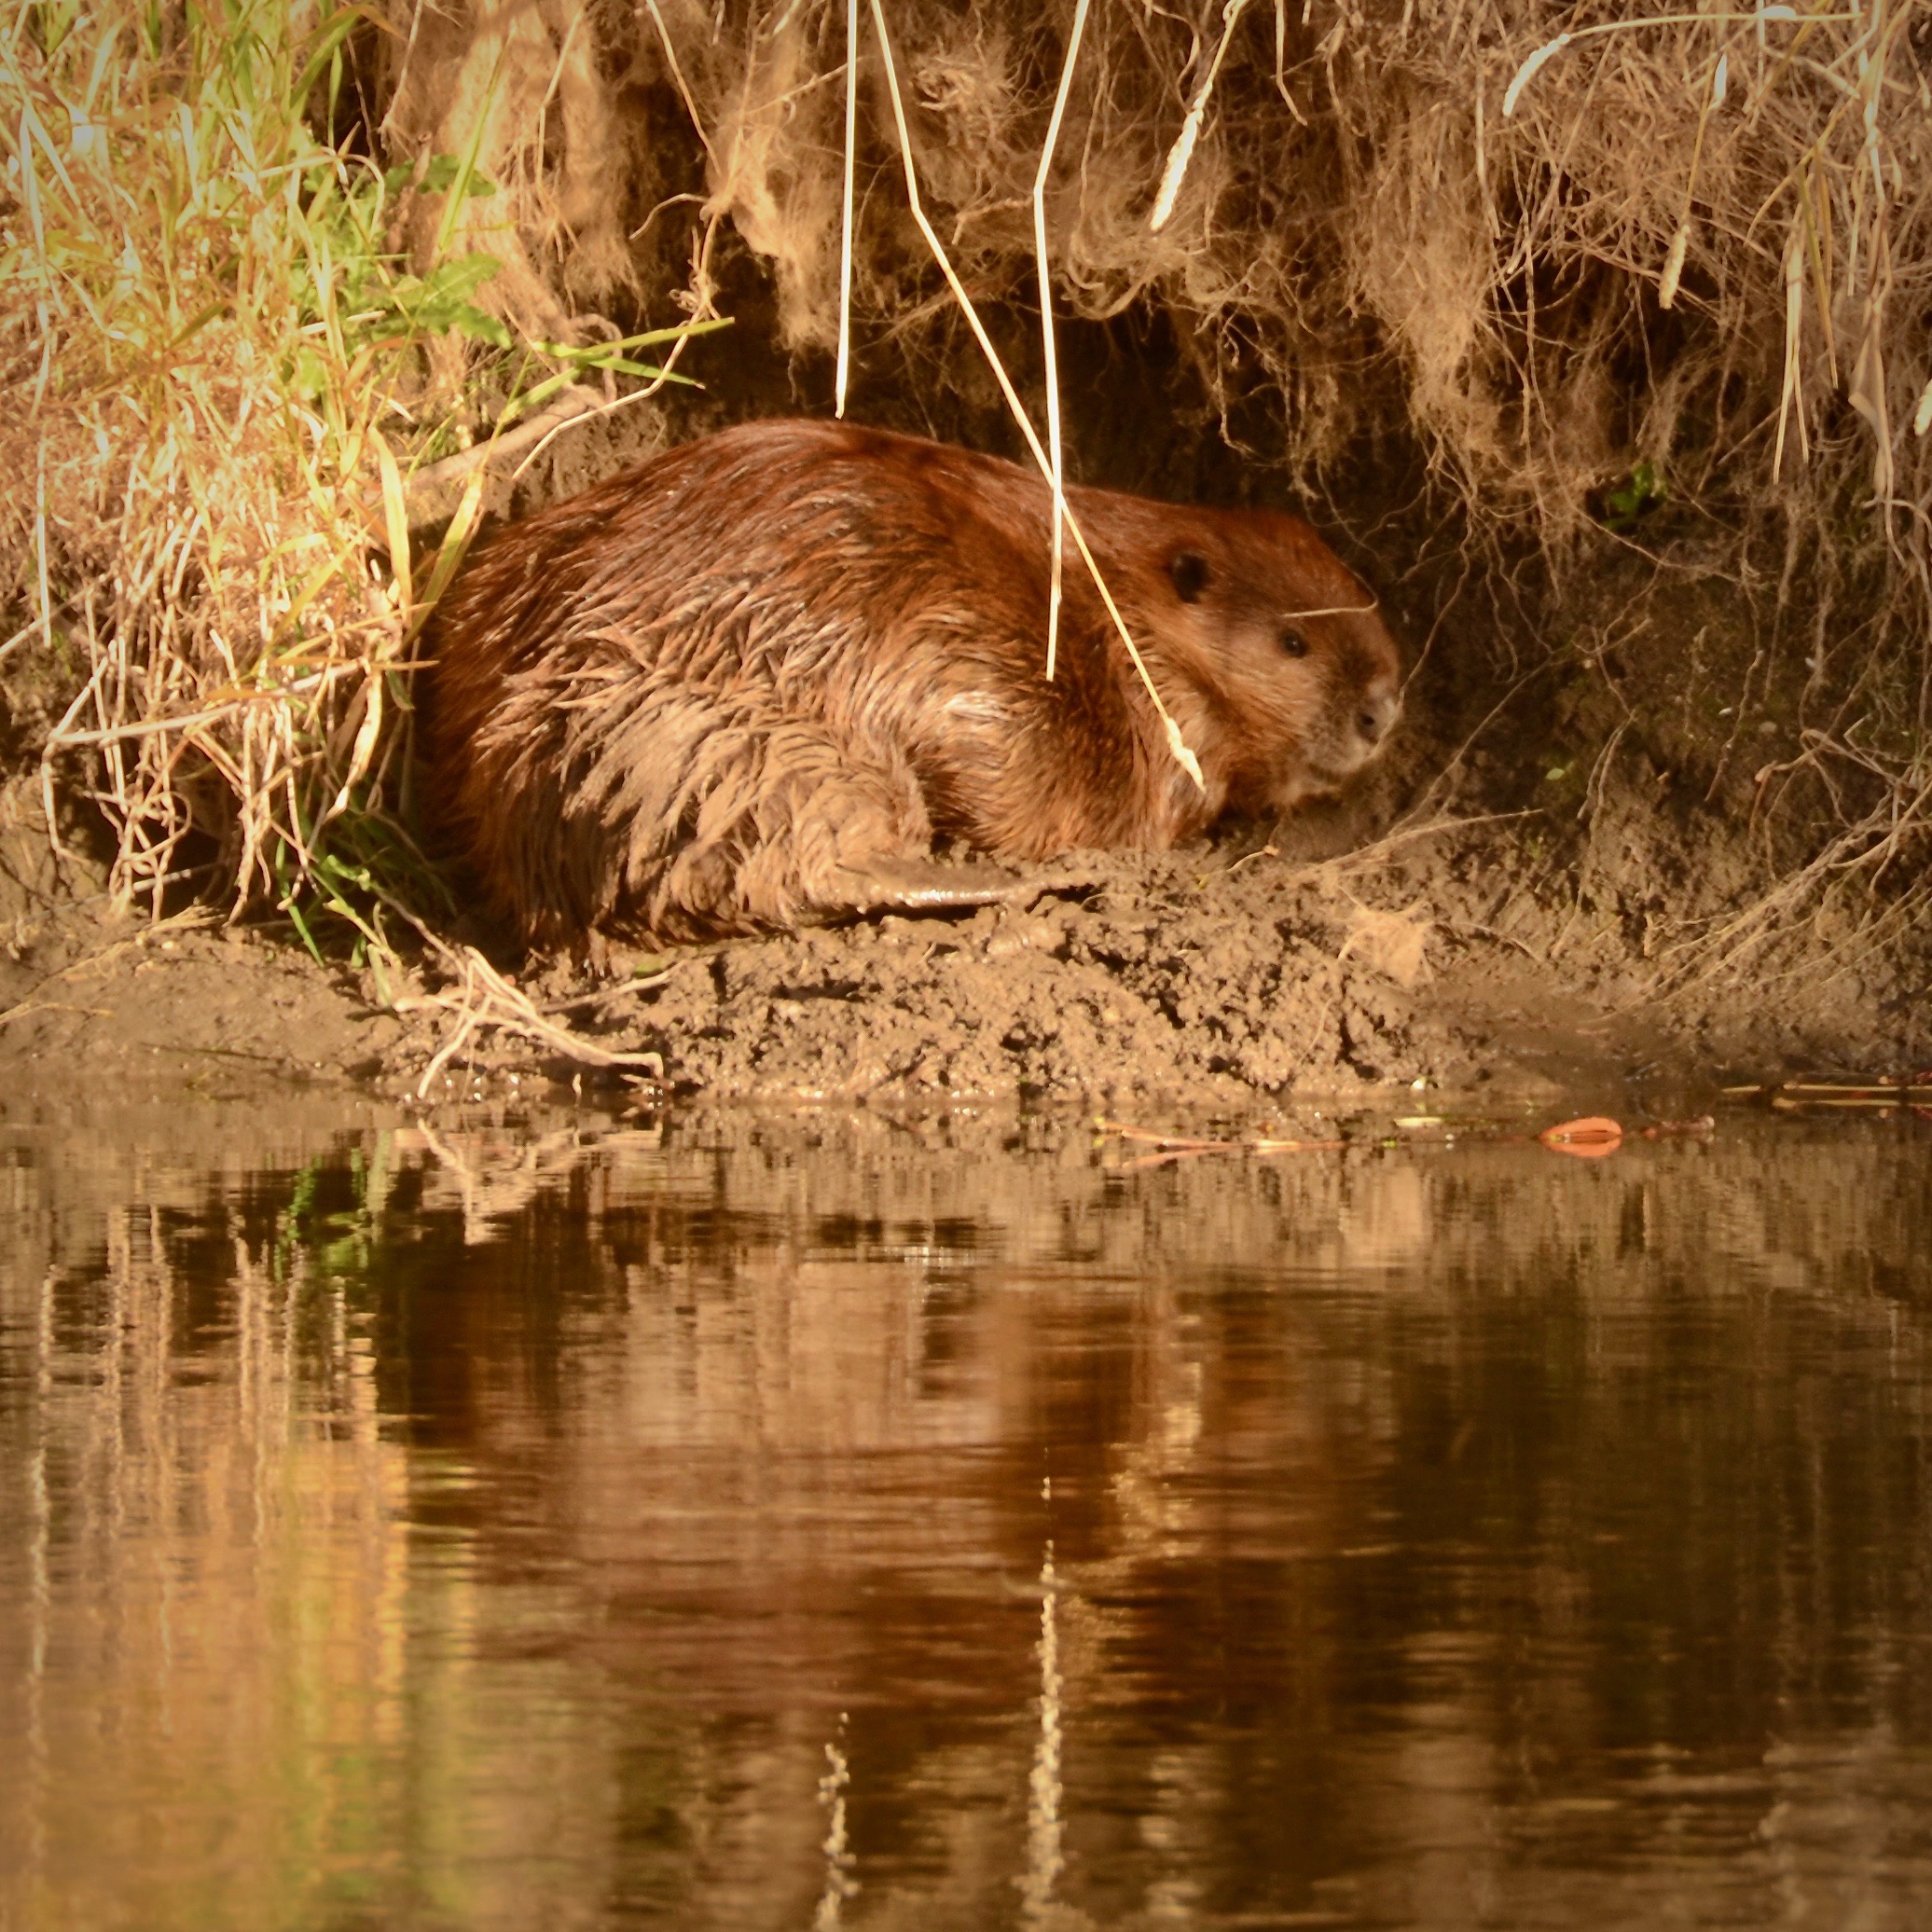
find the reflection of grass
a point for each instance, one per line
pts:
(243, 1726)
(249, 1559)
(336, 1247)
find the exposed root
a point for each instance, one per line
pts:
(482, 1001)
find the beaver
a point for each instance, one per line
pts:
(747, 686)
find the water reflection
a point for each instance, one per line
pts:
(827, 1523)
(1044, 1859)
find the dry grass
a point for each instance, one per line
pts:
(1582, 258)
(195, 392)
(219, 367)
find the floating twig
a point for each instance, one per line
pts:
(1182, 1146)
(1798, 1096)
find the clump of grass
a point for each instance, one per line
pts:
(192, 408)
(220, 368)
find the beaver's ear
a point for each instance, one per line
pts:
(1189, 570)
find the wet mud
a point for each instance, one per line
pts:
(1230, 980)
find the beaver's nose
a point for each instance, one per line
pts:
(1376, 715)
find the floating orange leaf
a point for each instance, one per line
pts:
(1593, 1137)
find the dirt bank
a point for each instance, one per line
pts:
(1227, 980)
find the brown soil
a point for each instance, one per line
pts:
(1232, 980)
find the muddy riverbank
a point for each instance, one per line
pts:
(1228, 980)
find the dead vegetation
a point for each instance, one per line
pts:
(1603, 279)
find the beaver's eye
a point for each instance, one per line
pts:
(1190, 573)
(1293, 643)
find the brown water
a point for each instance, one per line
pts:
(749, 1525)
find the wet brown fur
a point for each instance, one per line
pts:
(746, 685)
